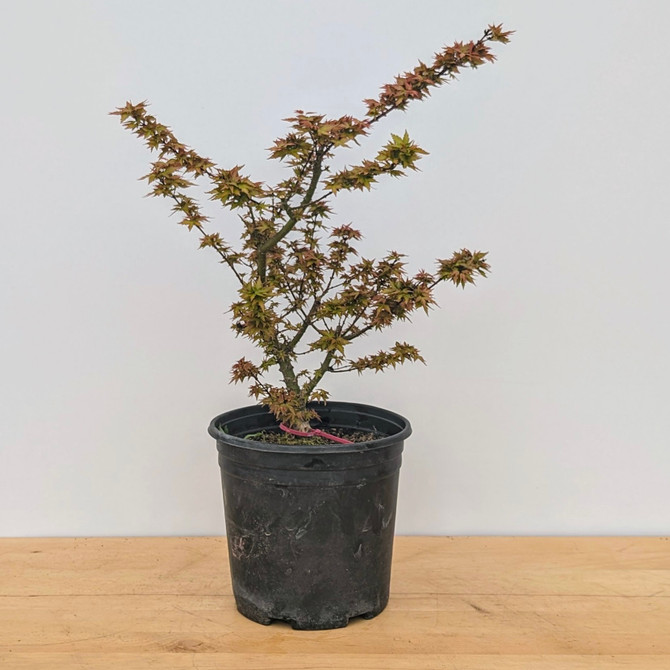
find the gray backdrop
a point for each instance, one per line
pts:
(544, 405)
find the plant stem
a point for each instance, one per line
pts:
(290, 211)
(318, 375)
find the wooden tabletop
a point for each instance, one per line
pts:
(457, 603)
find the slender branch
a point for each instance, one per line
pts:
(300, 176)
(200, 229)
(318, 375)
(290, 212)
(446, 69)
(307, 320)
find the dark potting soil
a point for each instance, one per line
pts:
(280, 437)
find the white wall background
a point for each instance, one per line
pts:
(544, 407)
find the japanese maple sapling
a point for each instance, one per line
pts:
(303, 289)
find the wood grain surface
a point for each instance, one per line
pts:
(465, 603)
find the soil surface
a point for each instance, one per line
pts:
(280, 437)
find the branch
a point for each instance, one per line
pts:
(415, 85)
(318, 375)
(213, 240)
(292, 219)
(307, 319)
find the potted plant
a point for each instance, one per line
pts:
(310, 485)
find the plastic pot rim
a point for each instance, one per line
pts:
(405, 431)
